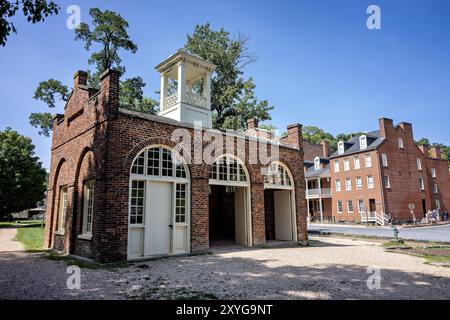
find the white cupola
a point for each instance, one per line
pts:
(186, 88)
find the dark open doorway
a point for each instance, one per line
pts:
(424, 207)
(221, 216)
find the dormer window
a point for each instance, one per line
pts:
(363, 142)
(316, 163)
(341, 149)
(400, 143)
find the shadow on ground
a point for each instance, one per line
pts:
(30, 276)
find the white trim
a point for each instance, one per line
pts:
(229, 182)
(174, 180)
(87, 236)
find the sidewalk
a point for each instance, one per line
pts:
(363, 226)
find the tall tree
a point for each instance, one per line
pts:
(22, 177)
(34, 10)
(109, 32)
(232, 97)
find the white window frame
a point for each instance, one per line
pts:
(363, 142)
(317, 163)
(350, 205)
(370, 182)
(438, 204)
(386, 182)
(341, 148)
(433, 172)
(361, 206)
(340, 206)
(356, 162)
(384, 160)
(419, 164)
(338, 185)
(400, 143)
(337, 167)
(368, 164)
(62, 210)
(278, 176)
(348, 184)
(88, 207)
(435, 188)
(421, 183)
(346, 165)
(359, 183)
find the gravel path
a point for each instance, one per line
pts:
(6, 240)
(333, 268)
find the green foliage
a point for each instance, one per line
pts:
(22, 177)
(316, 135)
(132, 96)
(50, 91)
(232, 97)
(42, 121)
(445, 150)
(423, 142)
(110, 32)
(34, 10)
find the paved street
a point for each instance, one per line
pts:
(435, 233)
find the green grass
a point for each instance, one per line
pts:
(18, 223)
(31, 236)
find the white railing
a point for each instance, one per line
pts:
(170, 101)
(324, 192)
(378, 218)
(195, 99)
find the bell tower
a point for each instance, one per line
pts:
(186, 88)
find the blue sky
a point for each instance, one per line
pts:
(317, 62)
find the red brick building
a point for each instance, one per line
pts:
(120, 186)
(383, 172)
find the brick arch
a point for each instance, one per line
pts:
(54, 203)
(84, 170)
(128, 161)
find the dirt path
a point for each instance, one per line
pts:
(7, 244)
(333, 268)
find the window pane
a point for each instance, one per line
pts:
(153, 162)
(137, 202)
(180, 203)
(167, 163)
(138, 165)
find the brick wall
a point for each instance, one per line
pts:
(94, 140)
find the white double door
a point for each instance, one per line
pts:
(158, 218)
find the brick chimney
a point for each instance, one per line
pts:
(252, 123)
(425, 150)
(407, 128)
(386, 126)
(436, 153)
(80, 78)
(325, 148)
(294, 137)
(110, 86)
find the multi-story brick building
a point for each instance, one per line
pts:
(384, 171)
(128, 185)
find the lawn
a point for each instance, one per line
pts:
(31, 236)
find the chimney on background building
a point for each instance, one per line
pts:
(386, 126)
(436, 153)
(325, 148)
(294, 138)
(407, 128)
(252, 123)
(425, 150)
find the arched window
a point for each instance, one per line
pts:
(159, 162)
(277, 176)
(228, 169)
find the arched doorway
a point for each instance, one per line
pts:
(229, 202)
(279, 203)
(159, 211)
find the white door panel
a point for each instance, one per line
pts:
(158, 218)
(283, 215)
